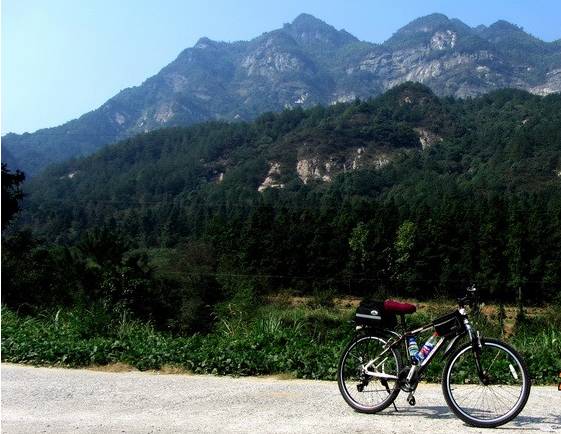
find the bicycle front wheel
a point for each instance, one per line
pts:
(496, 399)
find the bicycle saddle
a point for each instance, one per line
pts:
(398, 307)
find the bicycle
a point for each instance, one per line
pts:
(485, 381)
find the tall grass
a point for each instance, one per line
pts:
(303, 341)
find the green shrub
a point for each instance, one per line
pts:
(303, 341)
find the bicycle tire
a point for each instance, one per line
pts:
(342, 383)
(463, 413)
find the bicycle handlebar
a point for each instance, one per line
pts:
(470, 298)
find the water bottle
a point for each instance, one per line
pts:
(413, 349)
(427, 348)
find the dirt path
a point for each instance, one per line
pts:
(38, 400)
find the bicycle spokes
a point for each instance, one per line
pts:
(497, 393)
(367, 380)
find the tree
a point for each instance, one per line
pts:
(514, 253)
(358, 244)
(11, 194)
(404, 247)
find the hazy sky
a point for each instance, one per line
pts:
(62, 58)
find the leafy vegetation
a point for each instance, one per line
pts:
(305, 342)
(11, 194)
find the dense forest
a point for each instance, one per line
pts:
(406, 194)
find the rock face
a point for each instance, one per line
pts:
(271, 181)
(324, 168)
(307, 62)
(443, 40)
(427, 138)
(552, 83)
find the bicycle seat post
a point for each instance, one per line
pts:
(402, 320)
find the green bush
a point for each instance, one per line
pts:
(305, 342)
(539, 341)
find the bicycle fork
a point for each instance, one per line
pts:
(476, 347)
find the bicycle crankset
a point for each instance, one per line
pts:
(405, 384)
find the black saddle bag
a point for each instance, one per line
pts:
(371, 313)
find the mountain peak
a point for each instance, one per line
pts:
(309, 30)
(204, 42)
(420, 31)
(426, 23)
(505, 25)
(308, 20)
(503, 32)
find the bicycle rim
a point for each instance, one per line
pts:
(496, 402)
(361, 391)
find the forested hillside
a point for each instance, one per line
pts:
(405, 194)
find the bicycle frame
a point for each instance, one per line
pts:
(416, 370)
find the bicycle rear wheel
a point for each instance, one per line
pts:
(494, 401)
(363, 356)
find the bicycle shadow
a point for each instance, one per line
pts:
(521, 422)
(441, 412)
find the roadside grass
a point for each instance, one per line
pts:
(287, 340)
(113, 367)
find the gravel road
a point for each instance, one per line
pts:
(39, 400)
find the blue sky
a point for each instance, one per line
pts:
(62, 58)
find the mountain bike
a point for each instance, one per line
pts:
(485, 381)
